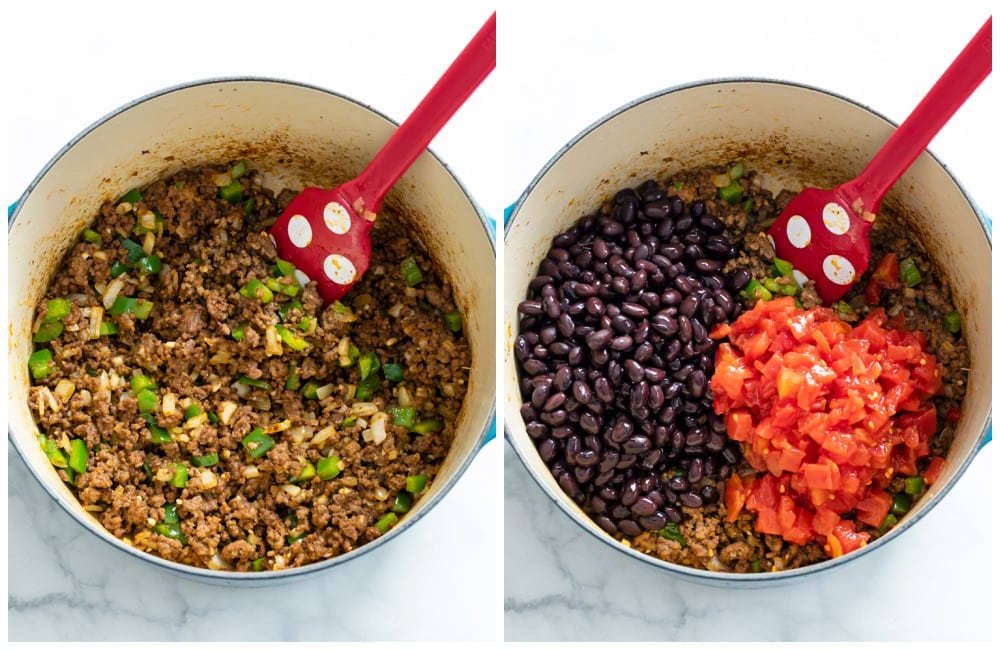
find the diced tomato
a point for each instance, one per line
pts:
(933, 471)
(826, 414)
(885, 276)
(873, 508)
(848, 539)
(739, 425)
(735, 495)
(824, 520)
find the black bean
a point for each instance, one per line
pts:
(673, 513)
(569, 484)
(630, 493)
(536, 430)
(689, 305)
(643, 352)
(629, 527)
(606, 524)
(575, 356)
(530, 307)
(696, 470)
(697, 383)
(582, 392)
(707, 266)
(637, 444)
(609, 459)
(633, 370)
(548, 449)
(620, 343)
(730, 455)
(639, 395)
(562, 432)
(684, 223)
(664, 324)
(697, 208)
(590, 422)
(554, 402)
(554, 418)
(691, 499)
(587, 458)
(710, 223)
(603, 390)
(621, 430)
(643, 506)
(710, 494)
(655, 521)
(565, 325)
(740, 279)
(684, 330)
(599, 339)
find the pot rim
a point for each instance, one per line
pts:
(702, 575)
(250, 578)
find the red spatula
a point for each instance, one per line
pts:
(324, 232)
(824, 233)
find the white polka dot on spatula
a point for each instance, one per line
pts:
(798, 231)
(299, 231)
(836, 219)
(336, 218)
(838, 270)
(339, 269)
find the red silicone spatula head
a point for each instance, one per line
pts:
(824, 233)
(325, 232)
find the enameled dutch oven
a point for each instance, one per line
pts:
(795, 135)
(298, 135)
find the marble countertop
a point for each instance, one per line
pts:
(440, 582)
(561, 583)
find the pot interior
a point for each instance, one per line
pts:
(795, 136)
(298, 136)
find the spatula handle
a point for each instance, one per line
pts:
(961, 78)
(461, 78)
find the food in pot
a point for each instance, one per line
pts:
(697, 402)
(205, 407)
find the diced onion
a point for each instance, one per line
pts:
(300, 434)
(208, 478)
(381, 493)
(364, 408)
(147, 219)
(64, 389)
(260, 402)
(223, 179)
(169, 405)
(323, 435)
(396, 310)
(148, 242)
(291, 490)
(325, 391)
(96, 316)
(196, 421)
(243, 390)
(251, 471)
(721, 180)
(217, 563)
(227, 410)
(272, 341)
(284, 425)
(378, 427)
(403, 396)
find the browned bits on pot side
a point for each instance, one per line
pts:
(248, 509)
(616, 325)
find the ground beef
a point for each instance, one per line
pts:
(244, 513)
(704, 539)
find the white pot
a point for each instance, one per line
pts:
(795, 135)
(299, 135)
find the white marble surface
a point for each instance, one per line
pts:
(575, 63)
(71, 63)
